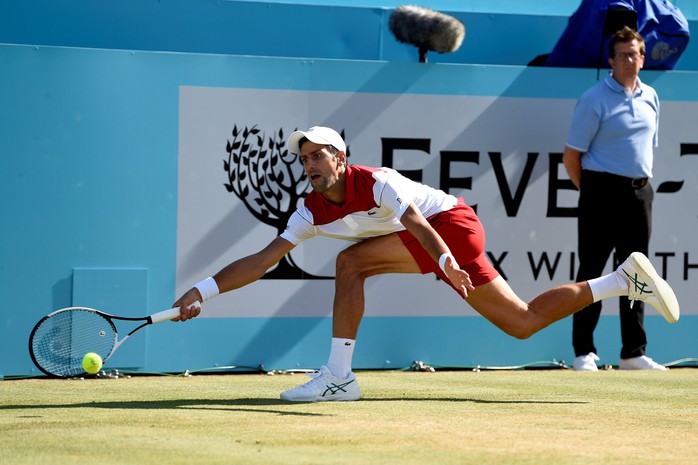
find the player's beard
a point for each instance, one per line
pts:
(323, 184)
(326, 181)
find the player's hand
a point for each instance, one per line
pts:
(459, 278)
(189, 306)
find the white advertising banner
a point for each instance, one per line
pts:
(238, 184)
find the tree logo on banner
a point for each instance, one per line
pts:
(270, 182)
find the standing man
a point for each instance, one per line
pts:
(608, 156)
(401, 226)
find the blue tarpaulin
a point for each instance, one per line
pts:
(584, 43)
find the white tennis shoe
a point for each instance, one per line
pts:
(645, 285)
(642, 362)
(324, 387)
(586, 362)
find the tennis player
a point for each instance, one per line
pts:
(402, 226)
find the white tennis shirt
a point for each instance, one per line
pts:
(376, 198)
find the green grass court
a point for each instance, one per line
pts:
(448, 417)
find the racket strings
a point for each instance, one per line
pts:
(63, 339)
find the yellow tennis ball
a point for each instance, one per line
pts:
(92, 362)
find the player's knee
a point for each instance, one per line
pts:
(348, 263)
(520, 331)
(352, 263)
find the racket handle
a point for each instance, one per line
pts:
(168, 314)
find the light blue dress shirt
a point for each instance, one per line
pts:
(616, 130)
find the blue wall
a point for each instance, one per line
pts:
(507, 32)
(88, 156)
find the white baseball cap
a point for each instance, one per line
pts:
(317, 135)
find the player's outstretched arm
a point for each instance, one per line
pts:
(236, 275)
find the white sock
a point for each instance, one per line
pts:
(611, 285)
(341, 353)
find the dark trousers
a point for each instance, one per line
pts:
(613, 214)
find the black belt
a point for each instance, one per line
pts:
(636, 183)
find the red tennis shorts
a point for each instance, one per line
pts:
(462, 231)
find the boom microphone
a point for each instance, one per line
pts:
(426, 29)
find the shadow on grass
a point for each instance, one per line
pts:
(474, 401)
(231, 405)
(247, 405)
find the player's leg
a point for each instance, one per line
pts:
(636, 278)
(378, 255)
(492, 297)
(371, 257)
(497, 302)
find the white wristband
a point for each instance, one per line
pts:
(208, 289)
(442, 261)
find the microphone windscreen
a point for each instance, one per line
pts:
(426, 29)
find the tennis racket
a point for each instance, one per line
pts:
(61, 339)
